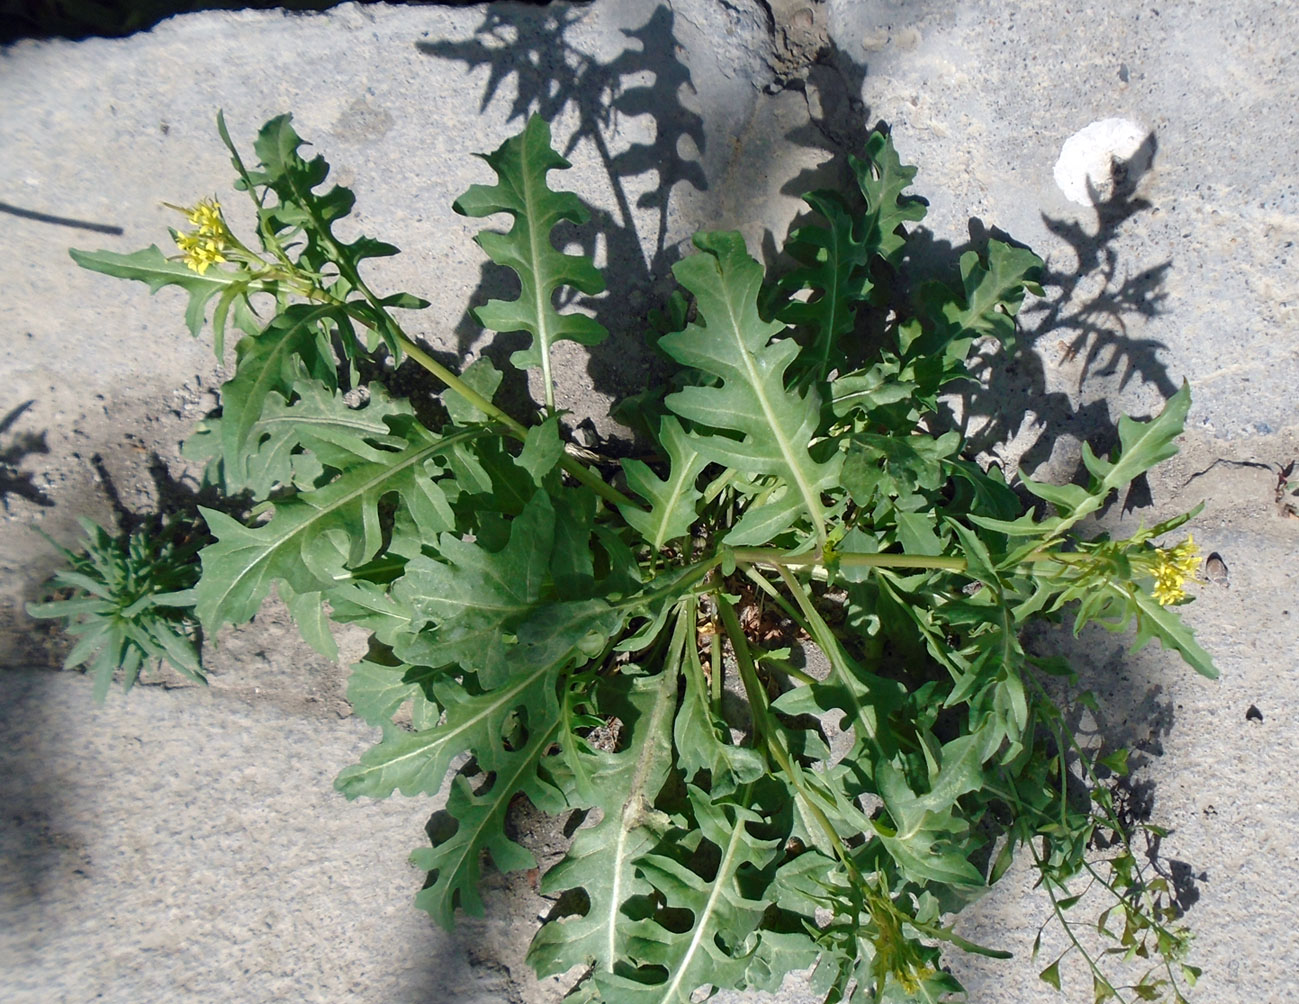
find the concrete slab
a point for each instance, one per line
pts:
(182, 845)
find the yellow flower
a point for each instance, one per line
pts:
(200, 252)
(205, 246)
(1174, 566)
(1187, 557)
(207, 217)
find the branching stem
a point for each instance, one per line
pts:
(568, 463)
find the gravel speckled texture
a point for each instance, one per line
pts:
(187, 845)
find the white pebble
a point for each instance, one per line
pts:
(1085, 170)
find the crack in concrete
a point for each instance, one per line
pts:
(801, 45)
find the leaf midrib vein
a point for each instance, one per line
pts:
(388, 472)
(723, 870)
(445, 733)
(810, 500)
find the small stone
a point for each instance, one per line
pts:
(1092, 157)
(1215, 570)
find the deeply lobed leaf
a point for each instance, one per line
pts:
(775, 424)
(522, 163)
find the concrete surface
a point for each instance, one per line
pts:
(182, 845)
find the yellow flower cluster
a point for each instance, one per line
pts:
(206, 245)
(1173, 568)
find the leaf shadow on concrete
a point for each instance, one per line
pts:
(1133, 711)
(1090, 317)
(1091, 304)
(14, 449)
(529, 52)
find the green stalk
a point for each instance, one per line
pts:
(760, 581)
(829, 644)
(569, 464)
(716, 678)
(769, 737)
(845, 559)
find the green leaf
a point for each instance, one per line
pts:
(702, 739)
(376, 690)
(320, 422)
(417, 762)
(979, 563)
(994, 284)
(1051, 974)
(601, 858)
(454, 863)
(308, 613)
(959, 773)
(475, 599)
(714, 950)
(480, 376)
(916, 534)
(862, 390)
(780, 953)
(303, 212)
(894, 467)
(271, 362)
(1156, 621)
(883, 180)
(130, 603)
(730, 341)
(1142, 445)
(371, 605)
(151, 267)
(673, 499)
(542, 449)
(1116, 762)
(833, 259)
(832, 265)
(522, 163)
(927, 841)
(488, 725)
(313, 537)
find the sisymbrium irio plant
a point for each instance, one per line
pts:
(774, 677)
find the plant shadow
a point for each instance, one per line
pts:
(1017, 409)
(1135, 714)
(14, 480)
(554, 77)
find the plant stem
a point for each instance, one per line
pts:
(847, 559)
(1047, 884)
(455, 383)
(770, 738)
(717, 678)
(569, 464)
(760, 581)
